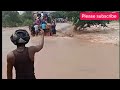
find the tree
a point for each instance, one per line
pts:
(27, 18)
(13, 18)
(58, 14)
(9, 18)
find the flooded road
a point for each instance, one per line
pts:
(68, 58)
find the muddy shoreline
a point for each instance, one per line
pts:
(99, 35)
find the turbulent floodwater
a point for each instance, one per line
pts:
(66, 57)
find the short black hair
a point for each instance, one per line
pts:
(39, 15)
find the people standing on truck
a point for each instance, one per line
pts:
(42, 15)
(32, 29)
(36, 29)
(43, 26)
(36, 26)
(39, 16)
(53, 26)
(46, 17)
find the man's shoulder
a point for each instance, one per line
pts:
(31, 47)
(10, 55)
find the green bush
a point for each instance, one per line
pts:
(27, 22)
(14, 19)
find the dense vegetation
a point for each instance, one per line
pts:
(14, 19)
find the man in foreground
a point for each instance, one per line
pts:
(22, 58)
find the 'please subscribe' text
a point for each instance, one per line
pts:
(99, 16)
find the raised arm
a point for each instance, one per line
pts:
(38, 47)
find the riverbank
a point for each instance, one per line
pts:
(109, 35)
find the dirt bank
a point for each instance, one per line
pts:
(109, 35)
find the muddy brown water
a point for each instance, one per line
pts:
(68, 58)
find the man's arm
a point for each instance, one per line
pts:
(10, 60)
(38, 47)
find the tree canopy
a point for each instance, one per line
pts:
(14, 19)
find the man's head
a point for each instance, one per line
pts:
(38, 15)
(20, 37)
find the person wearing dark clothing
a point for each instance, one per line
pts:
(53, 26)
(22, 58)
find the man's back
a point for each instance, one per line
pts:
(23, 64)
(23, 57)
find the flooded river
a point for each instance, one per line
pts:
(68, 58)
